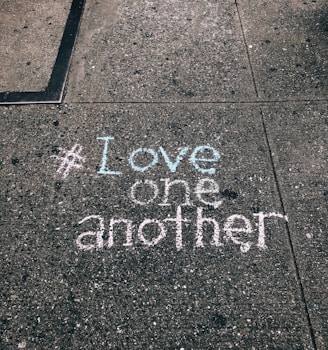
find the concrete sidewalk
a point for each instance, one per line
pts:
(177, 197)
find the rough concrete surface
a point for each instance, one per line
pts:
(154, 50)
(143, 296)
(287, 44)
(30, 36)
(177, 197)
(298, 137)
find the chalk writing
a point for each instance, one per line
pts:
(71, 159)
(200, 156)
(195, 205)
(236, 229)
(98, 234)
(261, 242)
(173, 166)
(103, 169)
(148, 166)
(206, 191)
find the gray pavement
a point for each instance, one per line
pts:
(30, 36)
(177, 197)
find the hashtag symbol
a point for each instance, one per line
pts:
(71, 159)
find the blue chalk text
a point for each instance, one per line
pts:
(203, 158)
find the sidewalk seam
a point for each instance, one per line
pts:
(256, 102)
(290, 241)
(247, 51)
